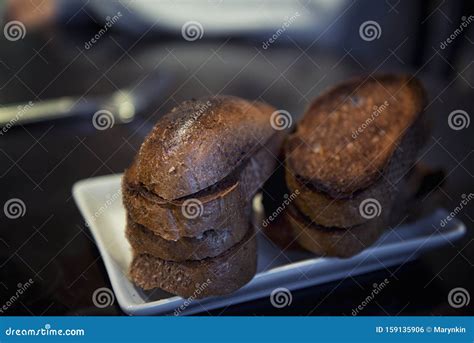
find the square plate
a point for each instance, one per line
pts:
(100, 202)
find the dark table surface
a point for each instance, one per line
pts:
(39, 163)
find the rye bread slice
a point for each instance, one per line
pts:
(200, 142)
(349, 134)
(346, 242)
(224, 206)
(326, 211)
(210, 244)
(218, 275)
(331, 241)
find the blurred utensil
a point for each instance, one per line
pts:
(122, 104)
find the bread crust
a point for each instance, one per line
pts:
(218, 275)
(225, 206)
(323, 151)
(211, 244)
(200, 142)
(331, 241)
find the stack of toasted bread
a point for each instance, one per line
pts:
(188, 196)
(188, 192)
(347, 160)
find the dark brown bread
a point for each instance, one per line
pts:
(201, 142)
(168, 218)
(346, 242)
(224, 206)
(218, 275)
(344, 143)
(339, 242)
(326, 211)
(210, 244)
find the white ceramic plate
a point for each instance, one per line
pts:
(100, 202)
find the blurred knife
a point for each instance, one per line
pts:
(122, 104)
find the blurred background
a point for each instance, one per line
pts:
(82, 82)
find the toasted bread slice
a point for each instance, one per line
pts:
(201, 142)
(210, 244)
(225, 206)
(332, 241)
(218, 275)
(326, 211)
(348, 135)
